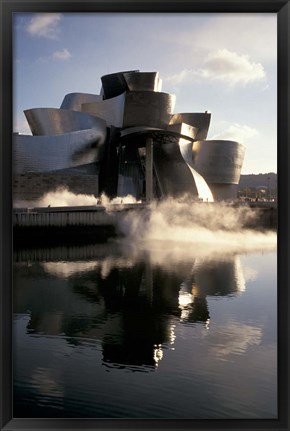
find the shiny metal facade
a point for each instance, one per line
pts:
(173, 162)
(111, 128)
(134, 108)
(175, 172)
(74, 101)
(148, 108)
(200, 120)
(183, 130)
(219, 161)
(56, 152)
(110, 110)
(143, 81)
(54, 121)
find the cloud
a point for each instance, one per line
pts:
(225, 66)
(63, 55)
(45, 25)
(237, 132)
(236, 32)
(230, 67)
(184, 76)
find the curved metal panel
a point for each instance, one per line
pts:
(200, 120)
(183, 129)
(219, 161)
(175, 173)
(115, 84)
(146, 108)
(111, 110)
(53, 121)
(143, 81)
(74, 101)
(203, 191)
(172, 158)
(51, 153)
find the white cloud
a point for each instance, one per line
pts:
(253, 33)
(237, 132)
(225, 66)
(63, 55)
(232, 68)
(45, 25)
(184, 76)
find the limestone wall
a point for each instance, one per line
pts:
(34, 185)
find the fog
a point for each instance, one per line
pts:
(175, 227)
(179, 227)
(61, 197)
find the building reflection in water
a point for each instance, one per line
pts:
(128, 303)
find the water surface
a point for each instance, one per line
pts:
(106, 331)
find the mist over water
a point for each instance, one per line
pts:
(62, 197)
(175, 226)
(180, 227)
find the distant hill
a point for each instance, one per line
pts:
(257, 180)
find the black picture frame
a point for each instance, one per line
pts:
(7, 8)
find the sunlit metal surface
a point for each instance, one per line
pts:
(136, 108)
(51, 153)
(219, 161)
(146, 108)
(143, 81)
(200, 120)
(185, 130)
(53, 121)
(203, 191)
(74, 101)
(111, 110)
(132, 105)
(174, 176)
(172, 158)
(175, 173)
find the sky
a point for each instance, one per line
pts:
(218, 62)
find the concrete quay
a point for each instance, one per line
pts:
(68, 224)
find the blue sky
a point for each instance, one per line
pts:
(222, 63)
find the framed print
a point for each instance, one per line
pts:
(144, 215)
